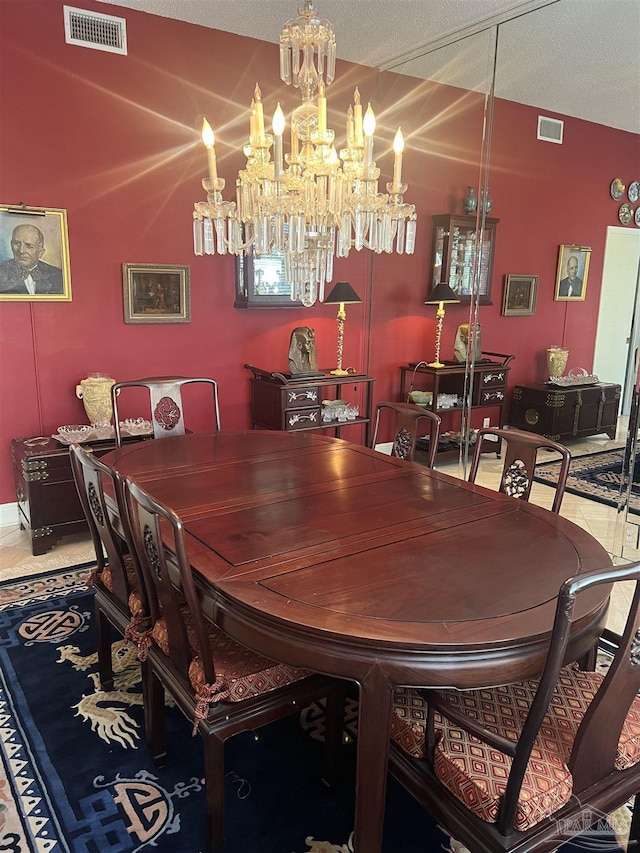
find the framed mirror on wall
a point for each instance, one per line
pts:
(261, 282)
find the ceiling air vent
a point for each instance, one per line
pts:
(92, 29)
(550, 129)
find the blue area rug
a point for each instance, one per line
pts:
(597, 476)
(75, 774)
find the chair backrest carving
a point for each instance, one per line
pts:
(165, 400)
(520, 450)
(408, 419)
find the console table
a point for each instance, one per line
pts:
(48, 503)
(489, 390)
(560, 413)
(293, 403)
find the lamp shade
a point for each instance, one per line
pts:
(343, 292)
(441, 293)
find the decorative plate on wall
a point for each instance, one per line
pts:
(625, 214)
(638, 216)
(633, 193)
(617, 189)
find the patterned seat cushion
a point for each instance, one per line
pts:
(476, 773)
(240, 672)
(135, 602)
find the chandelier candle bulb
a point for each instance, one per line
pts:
(398, 148)
(350, 127)
(257, 97)
(252, 122)
(278, 128)
(369, 127)
(357, 118)
(322, 109)
(208, 139)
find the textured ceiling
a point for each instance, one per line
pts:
(576, 57)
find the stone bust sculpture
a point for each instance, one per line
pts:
(462, 341)
(303, 357)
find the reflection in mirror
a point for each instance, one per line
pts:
(535, 52)
(458, 81)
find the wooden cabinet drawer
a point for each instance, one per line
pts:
(302, 397)
(487, 396)
(303, 419)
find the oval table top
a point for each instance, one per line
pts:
(348, 545)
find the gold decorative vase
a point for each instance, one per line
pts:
(95, 393)
(557, 361)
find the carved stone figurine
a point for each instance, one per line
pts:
(462, 341)
(303, 357)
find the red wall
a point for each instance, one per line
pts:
(114, 140)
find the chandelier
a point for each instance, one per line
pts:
(311, 204)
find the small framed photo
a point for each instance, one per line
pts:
(519, 296)
(34, 255)
(156, 294)
(572, 273)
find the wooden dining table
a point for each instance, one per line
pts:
(330, 556)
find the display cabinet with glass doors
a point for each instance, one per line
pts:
(454, 249)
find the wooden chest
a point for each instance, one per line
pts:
(564, 413)
(48, 503)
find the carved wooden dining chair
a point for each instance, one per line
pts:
(520, 461)
(527, 766)
(165, 399)
(120, 595)
(221, 686)
(406, 425)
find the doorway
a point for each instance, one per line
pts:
(618, 332)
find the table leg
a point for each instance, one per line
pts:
(374, 721)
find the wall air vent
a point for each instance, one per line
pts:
(94, 30)
(550, 129)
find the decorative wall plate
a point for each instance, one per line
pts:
(638, 216)
(633, 193)
(625, 213)
(617, 189)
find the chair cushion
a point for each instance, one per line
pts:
(477, 773)
(241, 672)
(135, 602)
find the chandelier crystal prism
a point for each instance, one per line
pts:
(311, 204)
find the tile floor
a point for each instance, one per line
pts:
(16, 559)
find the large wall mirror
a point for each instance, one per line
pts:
(557, 27)
(531, 59)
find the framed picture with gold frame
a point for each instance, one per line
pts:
(34, 254)
(572, 273)
(155, 293)
(519, 296)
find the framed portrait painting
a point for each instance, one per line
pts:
(34, 255)
(519, 296)
(572, 273)
(154, 293)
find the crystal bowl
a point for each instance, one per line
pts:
(75, 432)
(136, 426)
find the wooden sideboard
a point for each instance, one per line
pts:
(48, 503)
(562, 413)
(284, 402)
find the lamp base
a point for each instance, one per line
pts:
(436, 364)
(339, 372)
